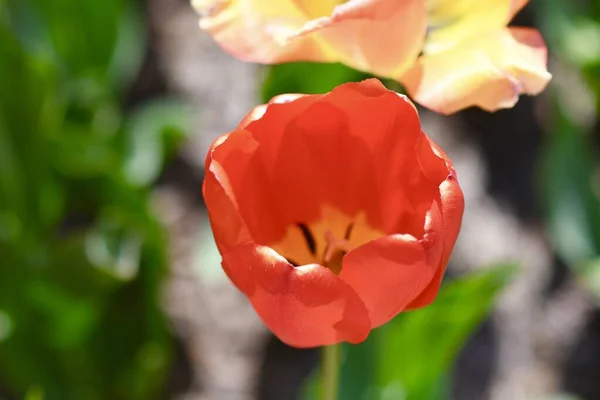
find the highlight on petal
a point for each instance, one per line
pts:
(257, 112)
(247, 185)
(450, 212)
(488, 71)
(383, 37)
(376, 115)
(227, 224)
(319, 149)
(306, 306)
(452, 208)
(388, 273)
(256, 30)
(451, 21)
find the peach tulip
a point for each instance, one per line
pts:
(449, 54)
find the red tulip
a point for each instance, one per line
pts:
(333, 213)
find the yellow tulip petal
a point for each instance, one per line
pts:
(383, 37)
(515, 7)
(256, 30)
(318, 8)
(489, 71)
(451, 21)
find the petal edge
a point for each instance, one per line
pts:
(306, 306)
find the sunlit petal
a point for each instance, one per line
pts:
(257, 30)
(452, 206)
(387, 274)
(305, 306)
(451, 21)
(383, 37)
(488, 71)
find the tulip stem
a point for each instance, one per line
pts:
(331, 371)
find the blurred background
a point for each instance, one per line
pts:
(110, 283)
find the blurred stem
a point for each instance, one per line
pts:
(331, 371)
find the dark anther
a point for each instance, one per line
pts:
(294, 263)
(349, 231)
(308, 236)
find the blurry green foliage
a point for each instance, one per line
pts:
(83, 256)
(411, 357)
(152, 131)
(570, 164)
(34, 393)
(572, 206)
(560, 396)
(572, 31)
(308, 78)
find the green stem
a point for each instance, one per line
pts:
(331, 371)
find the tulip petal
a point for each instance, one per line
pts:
(388, 273)
(389, 126)
(259, 111)
(345, 149)
(296, 152)
(318, 8)
(310, 156)
(236, 162)
(452, 204)
(452, 21)
(515, 7)
(359, 33)
(307, 306)
(489, 71)
(256, 30)
(433, 161)
(227, 224)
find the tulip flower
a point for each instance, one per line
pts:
(333, 213)
(449, 54)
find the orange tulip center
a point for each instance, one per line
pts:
(325, 241)
(336, 250)
(318, 8)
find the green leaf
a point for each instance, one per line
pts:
(27, 187)
(35, 393)
(410, 358)
(78, 153)
(153, 133)
(69, 312)
(358, 370)
(588, 276)
(308, 78)
(12, 191)
(52, 309)
(567, 24)
(571, 206)
(83, 258)
(114, 249)
(417, 348)
(83, 33)
(130, 48)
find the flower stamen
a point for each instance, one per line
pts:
(335, 250)
(311, 243)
